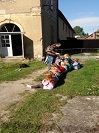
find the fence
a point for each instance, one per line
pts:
(78, 50)
(75, 46)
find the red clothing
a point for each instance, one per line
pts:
(62, 69)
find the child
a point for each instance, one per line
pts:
(47, 84)
(67, 57)
(55, 69)
(76, 64)
(69, 67)
(62, 59)
(54, 75)
(58, 60)
(63, 68)
(56, 66)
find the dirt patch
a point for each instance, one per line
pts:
(13, 92)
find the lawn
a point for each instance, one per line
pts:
(35, 114)
(10, 71)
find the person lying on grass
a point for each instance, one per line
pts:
(48, 83)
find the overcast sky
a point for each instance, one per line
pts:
(83, 13)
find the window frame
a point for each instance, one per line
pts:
(4, 39)
(51, 5)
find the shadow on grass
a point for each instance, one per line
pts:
(63, 77)
(61, 80)
(81, 65)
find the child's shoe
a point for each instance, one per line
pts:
(29, 86)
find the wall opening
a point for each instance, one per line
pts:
(11, 40)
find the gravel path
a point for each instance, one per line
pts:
(10, 92)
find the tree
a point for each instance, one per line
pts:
(78, 30)
(98, 30)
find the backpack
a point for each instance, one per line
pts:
(23, 65)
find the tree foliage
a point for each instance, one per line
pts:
(79, 31)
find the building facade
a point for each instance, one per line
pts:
(94, 35)
(27, 27)
(65, 31)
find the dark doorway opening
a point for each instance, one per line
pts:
(16, 44)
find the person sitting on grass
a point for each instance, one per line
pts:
(76, 64)
(63, 65)
(67, 57)
(58, 60)
(69, 66)
(54, 75)
(47, 83)
(55, 69)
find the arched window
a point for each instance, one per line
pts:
(9, 28)
(11, 40)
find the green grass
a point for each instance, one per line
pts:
(84, 81)
(11, 70)
(35, 113)
(84, 54)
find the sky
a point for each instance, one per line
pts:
(83, 13)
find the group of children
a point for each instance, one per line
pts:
(62, 65)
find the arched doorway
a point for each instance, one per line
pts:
(11, 40)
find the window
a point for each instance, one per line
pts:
(9, 28)
(5, 41)
(51, 3)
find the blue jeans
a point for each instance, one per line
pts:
(50, 61)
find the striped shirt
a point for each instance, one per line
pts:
(51, 50)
